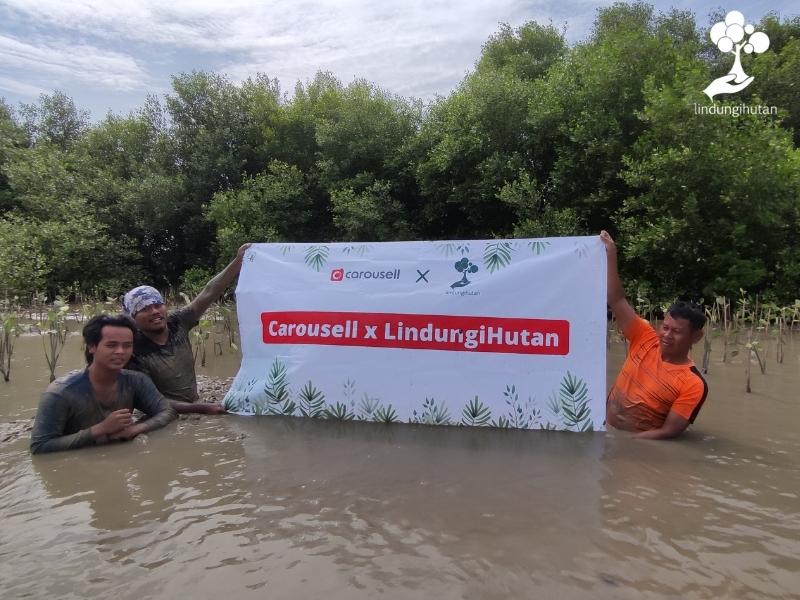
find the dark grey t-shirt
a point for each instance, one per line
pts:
(171, 366)
(68, 409)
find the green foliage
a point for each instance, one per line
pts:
(541, 139)
(276, 390)
(386, 414)
(497, 255)
(705, 216)
(368, 407)
(9, 331)
(372, 214)
(311, 401)
(339, 412)
(526, 52)
(501, 422)
(272, 206)
(521, 414)
(23, 267)
(54, 120)
(432, 413)
(574, 398)
(194, 279)
(54, 330)
(241, 398)
(538, 246)
(316, 256)
(475, 413)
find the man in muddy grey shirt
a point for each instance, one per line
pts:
(94, 406)
(162, 349)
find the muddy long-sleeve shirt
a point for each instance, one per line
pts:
(68, 409)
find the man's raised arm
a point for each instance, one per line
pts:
(218, 284)
(622, 310)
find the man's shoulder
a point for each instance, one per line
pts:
(183, 317)
(694, 378)
(639, 332)
(70, 380)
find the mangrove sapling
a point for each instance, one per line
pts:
(54, 331)
(8, 335)
(199, 336)
(723, 310)
(227, 325)
(706, 353)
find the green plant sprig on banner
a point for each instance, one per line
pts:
(497, 255)
(316, 257)
(276, 389)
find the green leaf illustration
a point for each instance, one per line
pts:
(475, 413)
(500, 422)
(261, 406)
(497, 255)
(359, 249)
(538, 246)
(311, 401)
(385, 414)
(349, 390)
(316, 256)
(574, 397)
(520, 414)
(432, 413)
(367, 407)
(277, 391)
(239, 397)
(453, 249)
(338, 412)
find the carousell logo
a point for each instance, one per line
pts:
(340, 274)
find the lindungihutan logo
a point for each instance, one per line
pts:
(734, 36)
(464, 266)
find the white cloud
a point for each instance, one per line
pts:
(66, 62)
(22, 88)
(415, 48)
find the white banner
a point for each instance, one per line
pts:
(503, 333)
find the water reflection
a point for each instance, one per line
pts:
(399, 506)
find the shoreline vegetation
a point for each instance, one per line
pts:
(746, 325)
(542, 138)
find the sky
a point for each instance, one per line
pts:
(108, 55)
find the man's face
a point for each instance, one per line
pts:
(677, 338)
(152, 319)
(114, 349)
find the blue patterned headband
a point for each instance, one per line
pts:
(140, 298)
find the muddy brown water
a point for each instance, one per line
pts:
(255, 507)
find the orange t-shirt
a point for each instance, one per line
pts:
(647, 387)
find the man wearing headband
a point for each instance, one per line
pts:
(162, 348)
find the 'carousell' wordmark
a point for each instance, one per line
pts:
(734, 36)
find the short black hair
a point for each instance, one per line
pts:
(690, 311)
(93, 330)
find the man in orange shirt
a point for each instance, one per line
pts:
(658, 391)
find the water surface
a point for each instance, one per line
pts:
(248, 507)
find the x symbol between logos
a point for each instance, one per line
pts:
(422, 276)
